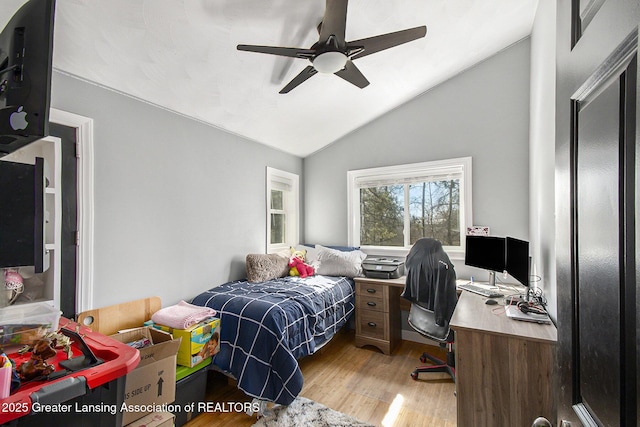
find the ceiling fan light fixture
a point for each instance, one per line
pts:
(332, 54)
(330, 62)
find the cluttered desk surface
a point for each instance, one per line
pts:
(400, 281)
(472, 313)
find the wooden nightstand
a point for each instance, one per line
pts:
(378, 312)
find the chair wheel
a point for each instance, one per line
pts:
(423, 359)
(414, 375)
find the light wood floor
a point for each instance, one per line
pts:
(361, 382)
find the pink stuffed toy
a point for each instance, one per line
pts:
(297, 266)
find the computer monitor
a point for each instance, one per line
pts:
(26, 53)
(518, 261)
(486, 252)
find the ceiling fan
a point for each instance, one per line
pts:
(331, 54)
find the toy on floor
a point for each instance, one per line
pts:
(297, 265)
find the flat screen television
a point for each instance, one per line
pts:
(486, 252)
(22, 238)
(26, 54)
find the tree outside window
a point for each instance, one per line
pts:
(393, 207)
(435, 211)
(278, 217)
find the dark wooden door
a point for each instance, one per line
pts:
(596, 148)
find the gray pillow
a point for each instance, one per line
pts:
(263, 267)
(337, 263)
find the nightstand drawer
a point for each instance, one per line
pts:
(368, 302)
(371, 289)
(372, 324)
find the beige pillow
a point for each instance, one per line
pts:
(263, 267)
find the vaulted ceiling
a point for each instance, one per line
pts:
(181, 55)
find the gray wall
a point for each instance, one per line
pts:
(542, 151)
(178, 204)
(482, 113)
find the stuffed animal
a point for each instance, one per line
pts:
(297, 266)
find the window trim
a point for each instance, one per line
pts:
(291, 208)
(398, 171)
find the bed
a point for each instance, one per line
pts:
(267, 326)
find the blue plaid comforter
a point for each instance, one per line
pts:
(266, 327)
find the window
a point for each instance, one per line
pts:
(282, 209)
(390, 208)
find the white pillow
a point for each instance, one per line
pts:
(337, 263)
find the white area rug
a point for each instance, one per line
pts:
(305, 412)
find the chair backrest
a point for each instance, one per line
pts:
(431, 288)
(424, 321)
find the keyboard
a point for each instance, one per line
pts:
(480, 290)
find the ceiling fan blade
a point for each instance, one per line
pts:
(300, 78)
(385, 41)
(334, 22)
(281, 51)
(352, 74)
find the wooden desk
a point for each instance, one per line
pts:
(378, 312)
(504, 367)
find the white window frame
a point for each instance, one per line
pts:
(459, 166)
(291, 182)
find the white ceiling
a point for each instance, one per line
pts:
(181, 55)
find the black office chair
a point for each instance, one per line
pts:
(431, 288)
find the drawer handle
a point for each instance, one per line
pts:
(372, 324)
(371, 291)
(371, 304)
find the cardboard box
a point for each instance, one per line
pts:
(153, 381)
(199, 342)
(155, 419)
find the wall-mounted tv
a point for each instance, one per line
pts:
(26, 54)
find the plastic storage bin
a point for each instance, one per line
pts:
(190, 389)
(100, 387)
(25, 324)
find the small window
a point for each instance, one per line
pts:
(392, 207)
(282, 209)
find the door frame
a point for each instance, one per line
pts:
(85, 183)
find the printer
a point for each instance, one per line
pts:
(383, 267)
